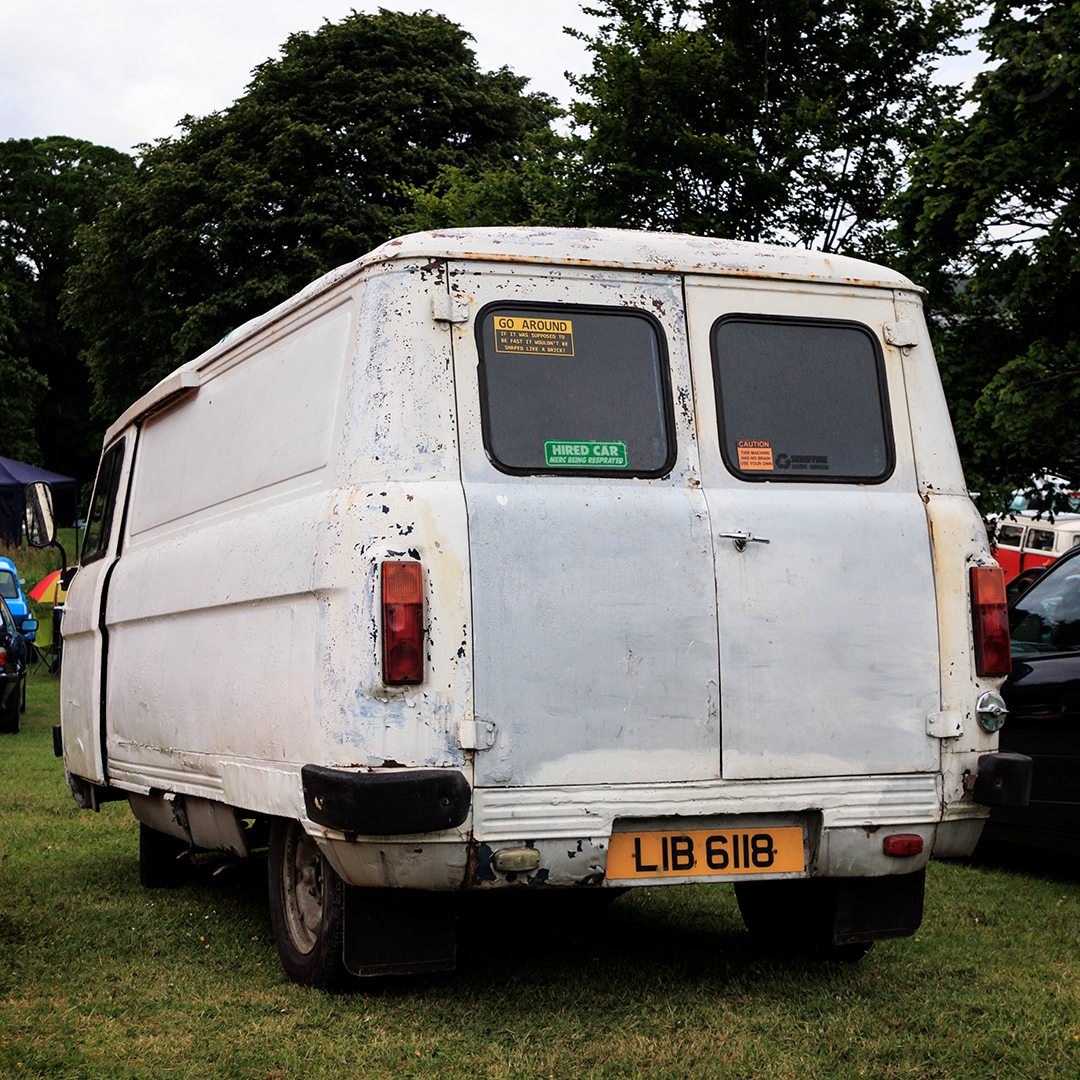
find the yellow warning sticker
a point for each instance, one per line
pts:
(550, 337)
(755, 454)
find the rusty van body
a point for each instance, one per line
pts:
(546, 560)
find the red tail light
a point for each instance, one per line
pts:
(3, 657)
(901, 844)
(403, 623)
(990, 619)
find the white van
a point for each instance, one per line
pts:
(547, 560)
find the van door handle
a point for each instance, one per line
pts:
(743, 538)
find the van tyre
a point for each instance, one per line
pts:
(164, 860)
(306, 908)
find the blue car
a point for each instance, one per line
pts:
(12, 592)
(13, 656)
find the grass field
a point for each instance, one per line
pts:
(101, 978)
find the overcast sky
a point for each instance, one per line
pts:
(122, 72)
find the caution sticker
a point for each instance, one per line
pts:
(755, 454)
(548, 337)
(591, 455)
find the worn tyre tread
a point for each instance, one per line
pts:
(323, 967)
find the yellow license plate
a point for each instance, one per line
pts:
(705, 852)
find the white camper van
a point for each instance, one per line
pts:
(547, 560)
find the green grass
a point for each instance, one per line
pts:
(101, 978)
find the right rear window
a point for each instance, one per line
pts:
(801, 400)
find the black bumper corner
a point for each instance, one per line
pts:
(387, 803)
(1003, 779)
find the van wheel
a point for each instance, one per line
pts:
(795, 917)
(306, 908)
(164, 860)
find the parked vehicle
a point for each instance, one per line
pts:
(1025, 540)
(13, 654)
(11, 590)
(547, 560)
(1043, 698)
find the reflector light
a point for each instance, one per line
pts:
(990, 621)
(3, 657)
(403, 623)
(903, 844)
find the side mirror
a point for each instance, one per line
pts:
(29, 629)
(40, 520)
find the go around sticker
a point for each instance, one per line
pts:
(591, 455)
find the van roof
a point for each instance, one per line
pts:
(648, 251)
(604, 248)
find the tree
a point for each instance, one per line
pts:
(991, 221)
(780, 120)
(535, 187)
(23, 388)
(308, 170)
(48, 189)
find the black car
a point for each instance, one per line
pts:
(13, 652)
(1043, 698)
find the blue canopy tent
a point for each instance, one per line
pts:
(14, 476)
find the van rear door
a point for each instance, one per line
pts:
(827, 616)
(594, 650)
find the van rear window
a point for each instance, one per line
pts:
(575, 390)
(801, 400)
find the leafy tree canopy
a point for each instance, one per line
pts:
(992, 222)
(309, 169)
(779, 120)
(48, 189)
(23, 388)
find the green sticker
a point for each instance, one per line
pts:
(585, 455)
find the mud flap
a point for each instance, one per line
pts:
(816, 916)
(399, 931)
(877, 909)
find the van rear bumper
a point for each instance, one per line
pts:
(845, 819)
(386, 803)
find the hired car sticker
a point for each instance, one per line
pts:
(591, 455)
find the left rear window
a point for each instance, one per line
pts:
(575, 390)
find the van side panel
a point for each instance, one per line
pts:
(959, 542)
(212, 618)
(246, 620)
(398, 496)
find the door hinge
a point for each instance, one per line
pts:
(476, 734)
(448, 308)
(945, 725)
(902, 333)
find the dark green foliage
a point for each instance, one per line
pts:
(48, 188)
(22, 388)
(992, 218)
(779, 120)
(534, 188)
(308, 170)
